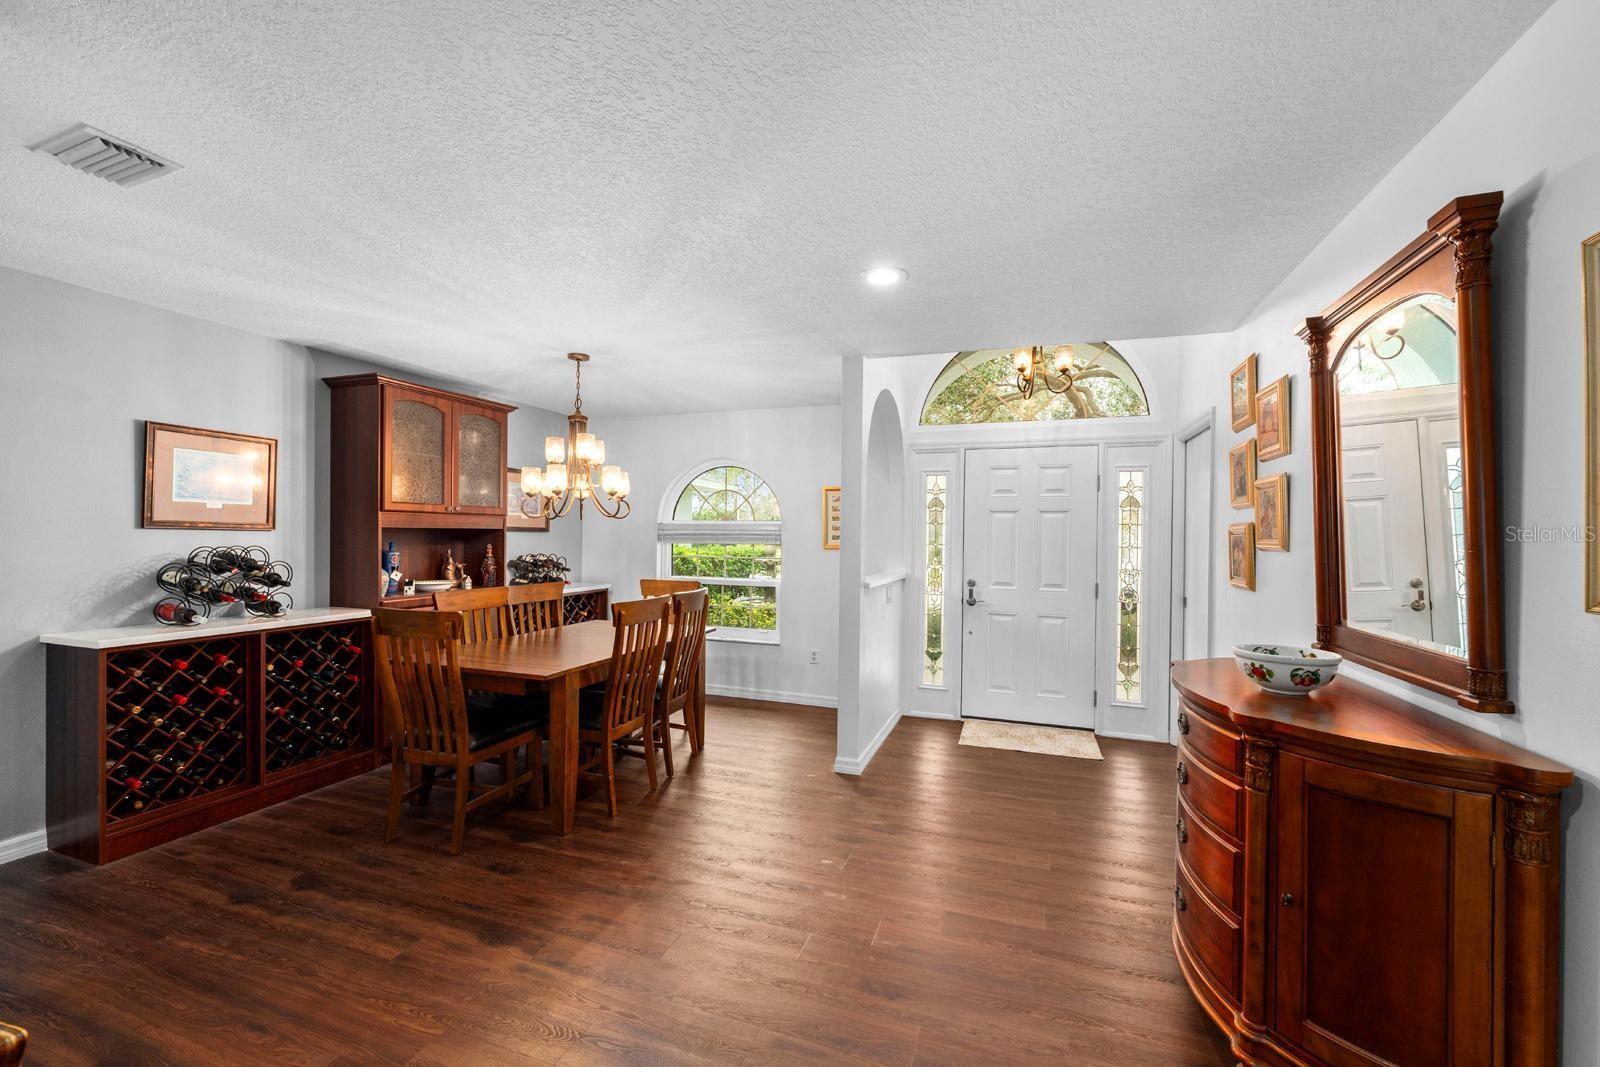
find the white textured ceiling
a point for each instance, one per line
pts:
(689, 189)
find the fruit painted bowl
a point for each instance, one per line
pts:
(1287, 669)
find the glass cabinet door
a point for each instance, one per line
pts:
(417, 457)
(480, 460)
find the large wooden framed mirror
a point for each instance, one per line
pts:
(1407, 517)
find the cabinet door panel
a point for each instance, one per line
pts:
(1383, 915)
(416, 450)
(480, 460)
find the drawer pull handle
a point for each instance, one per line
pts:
(1183, 722)
(1177, 898)
(1288, 900)
(1183, 833)
(1183, 774)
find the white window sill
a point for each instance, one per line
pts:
(742, 637)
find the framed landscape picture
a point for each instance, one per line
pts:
(522, 511)
(1242, 393)
(1242, 474)
(208, 479)
(1242, 555)
(832, 517)
(1272, 513)
(1272, 421)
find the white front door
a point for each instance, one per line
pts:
(1196, 630)
(1027, 584)
(1385, 552)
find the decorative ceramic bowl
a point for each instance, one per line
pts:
(433, 585)
(1287, 669)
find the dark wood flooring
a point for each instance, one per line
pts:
(953, 905)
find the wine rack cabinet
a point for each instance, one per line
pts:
(585, 606)
(160, 738)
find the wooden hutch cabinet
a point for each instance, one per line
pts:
(1360, 881)
(423, 468)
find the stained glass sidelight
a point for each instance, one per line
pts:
(1458, 532)
(933, 492)
(1130, 582)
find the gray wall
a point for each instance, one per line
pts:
(79, 372)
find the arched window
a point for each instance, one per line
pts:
(727, 531)
(981, 386)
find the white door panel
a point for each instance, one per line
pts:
(1030, 517)
(1383, 516)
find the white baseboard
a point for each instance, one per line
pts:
(1118, 734)
(843, 765)
(816, 700)
(945, 716)
(27, 844)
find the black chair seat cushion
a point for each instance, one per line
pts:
(496, 717)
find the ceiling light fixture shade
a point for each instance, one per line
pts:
(884, 277)
(575, 470)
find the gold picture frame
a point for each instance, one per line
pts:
(516, 517)
(1591, 422)
(198, 479)
(1241, 548)
(1272, 513)
(1274, 439)
(1242, 393)
(832, 517)
(1242, 474)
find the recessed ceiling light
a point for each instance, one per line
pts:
(884, 277)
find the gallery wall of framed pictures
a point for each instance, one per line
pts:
(1265, 411)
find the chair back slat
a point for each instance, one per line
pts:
(485, 613)
(420, 679)
(685, 647)
(667, 586)
(537, 607)
(637, 652)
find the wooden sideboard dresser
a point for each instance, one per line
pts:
(1361, 881)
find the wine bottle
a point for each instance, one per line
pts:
(175, 613)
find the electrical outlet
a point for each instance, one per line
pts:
(814, 656)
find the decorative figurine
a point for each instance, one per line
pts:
(490, 570)
(450, 572)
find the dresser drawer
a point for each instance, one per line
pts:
(1212, 935)
(1210, 793)
(1215, 864)
(1207, 738)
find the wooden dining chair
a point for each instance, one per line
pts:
(626, 704)
(537, 607)
(432, 725)
(685, 659)
(485, 613)
(667, 586)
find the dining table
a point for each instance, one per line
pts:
(559, 662)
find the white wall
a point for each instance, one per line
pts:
(1529, 128)
(797, 451)
(79, 373)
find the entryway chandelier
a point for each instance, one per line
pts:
(576, 471)
(1057, 370)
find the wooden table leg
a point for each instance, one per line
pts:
(563, 753)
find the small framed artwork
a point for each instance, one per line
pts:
(1242, 474)
(1242, 393)
(208, 479)
(832, 517)
(522, 511)
(1272, 421)
(1242, 555)
(1272, 513)
(1591, 420)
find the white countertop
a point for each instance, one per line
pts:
(155, 633)
(586, 587)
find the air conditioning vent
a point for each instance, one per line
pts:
(87, 149)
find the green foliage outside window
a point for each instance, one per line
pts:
(747, 607)
(980, 387)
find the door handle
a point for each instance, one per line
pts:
(972, 588)
(1420, 603)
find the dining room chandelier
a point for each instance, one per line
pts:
(576, 471)
(1056, 369)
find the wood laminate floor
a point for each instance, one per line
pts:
(953, 905)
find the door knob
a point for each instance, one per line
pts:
(1420, 603)
(972, 591)
(1288, 900)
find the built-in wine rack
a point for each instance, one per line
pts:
(584, 607)
(175, 725)
(314, 695)
(154, 738)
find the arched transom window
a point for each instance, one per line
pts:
(727, 532)
(981, 386)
